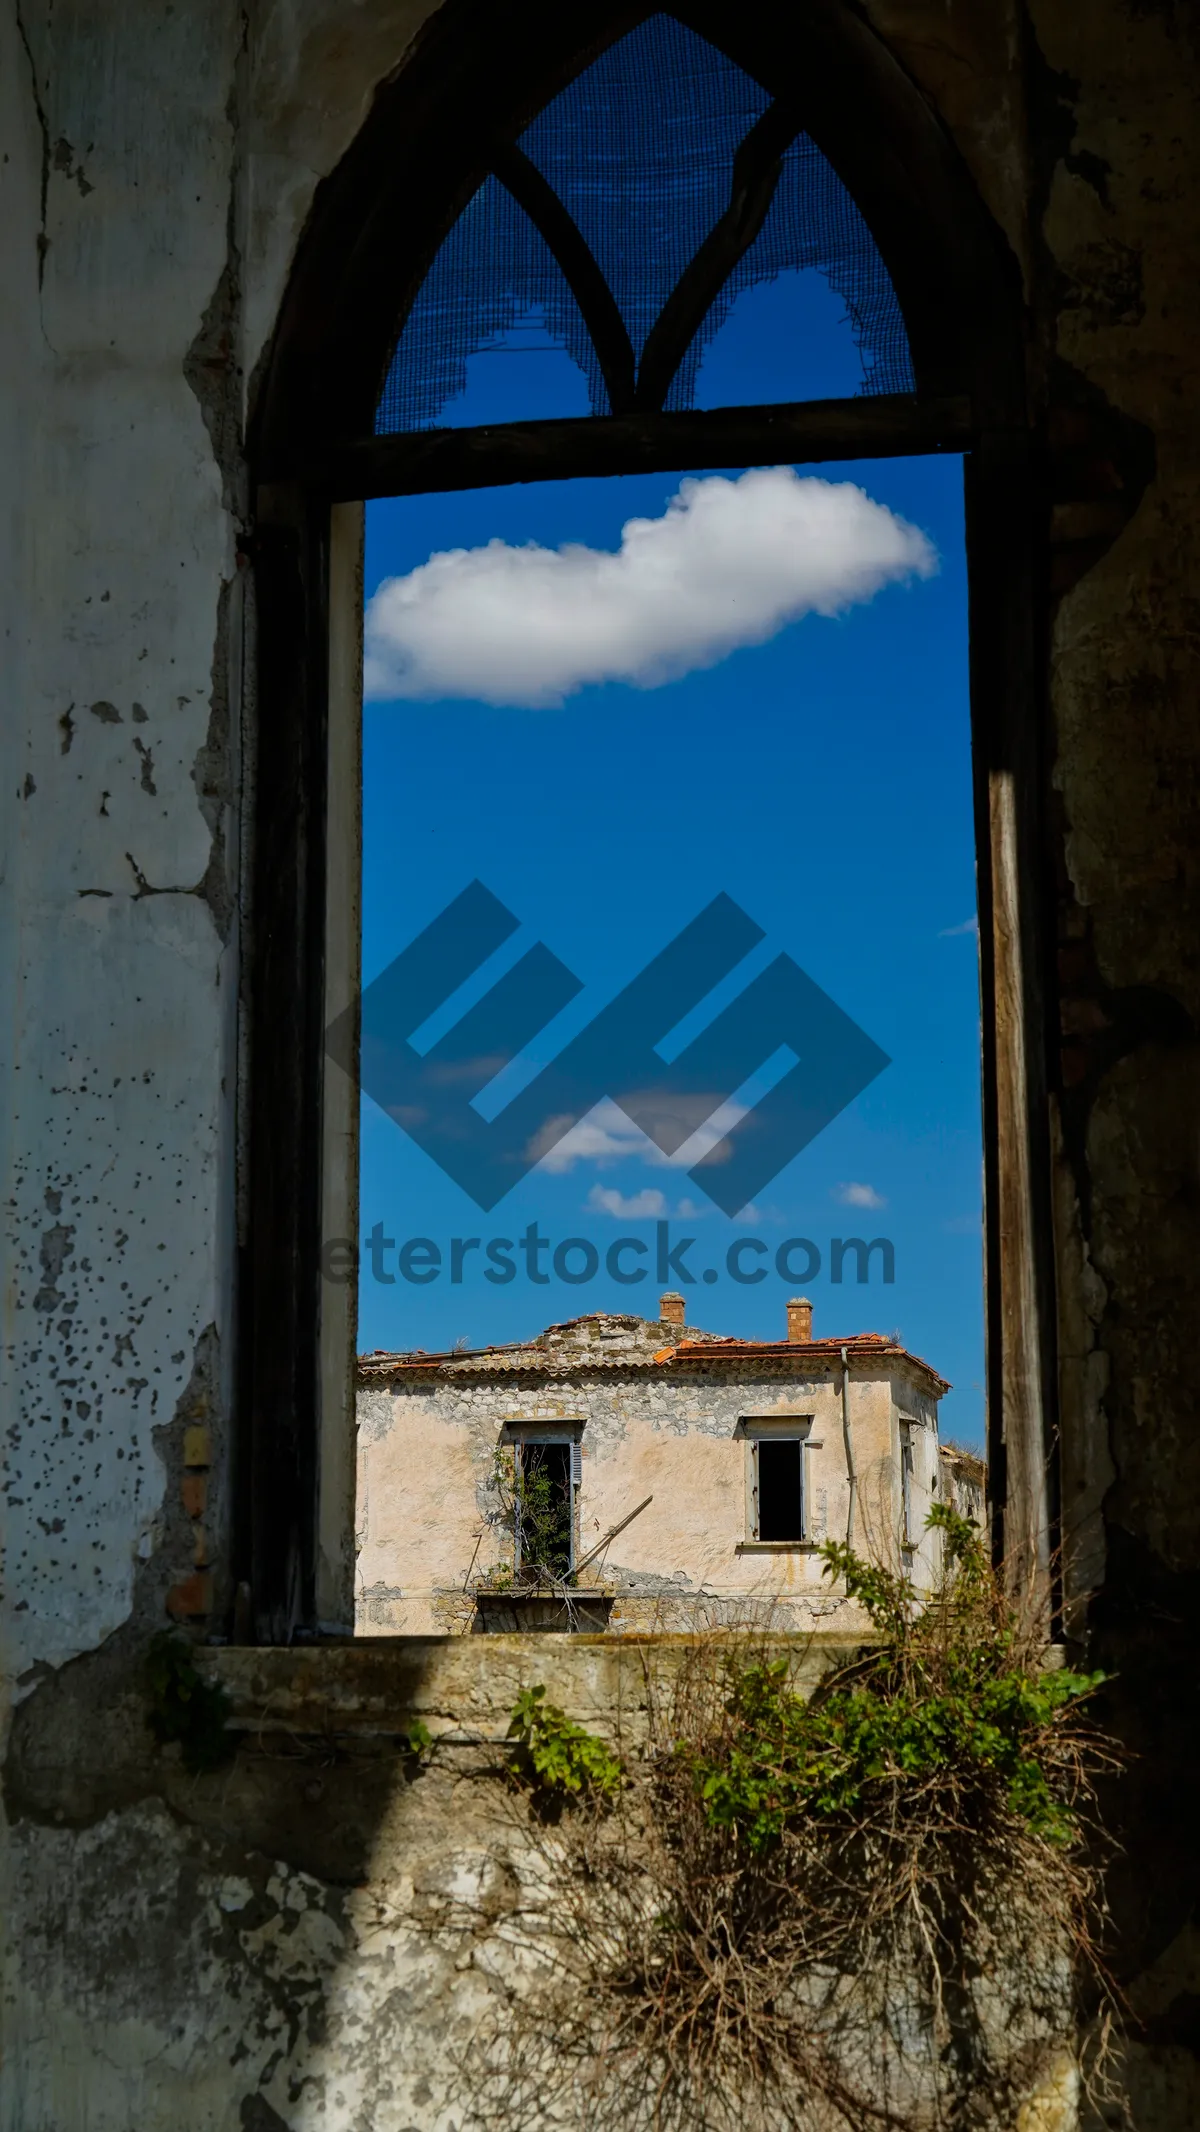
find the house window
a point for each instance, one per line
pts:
(908, 1537)
(547, 1471)
(777, 1481)
(779, 1489)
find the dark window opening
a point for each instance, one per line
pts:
(906, 1483)
(781, 1489)
(545, 1521)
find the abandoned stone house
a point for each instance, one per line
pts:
(692, 1477)
(212, 218)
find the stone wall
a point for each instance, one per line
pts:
(321, 1933)
(962, 1482)
(216, 1954)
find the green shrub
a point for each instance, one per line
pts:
(186, 1708)
(946, 1696)
(877, 1910)
(556, 1757)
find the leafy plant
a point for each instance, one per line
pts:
(186, 1708)
(533, 1511)
(556, 1757)
(879, 1907)
(946, 1697)
(499, 1578)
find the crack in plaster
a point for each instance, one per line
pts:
(43, 241)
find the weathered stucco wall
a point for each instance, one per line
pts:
(158, 165)
(120, 1005)
(312, 1936)
(162, 165)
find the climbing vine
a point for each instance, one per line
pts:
(557, 1759)
(531, 1510)
(185, 1708)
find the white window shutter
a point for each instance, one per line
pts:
(576, 1462)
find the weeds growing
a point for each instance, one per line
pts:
(876, 1907)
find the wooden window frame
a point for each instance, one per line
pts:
(539, 1439)
(472, 80)
(782, 1428)
(909, 1541)
(564, 1429)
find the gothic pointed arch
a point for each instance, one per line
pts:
(459, 149)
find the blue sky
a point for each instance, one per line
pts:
(820, 778)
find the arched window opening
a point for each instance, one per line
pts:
(629, 217)
(717, 240)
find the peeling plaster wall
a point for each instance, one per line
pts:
(167, 160)
(21, 358)
(118, 1012)
(334, 1971)
(157, 164)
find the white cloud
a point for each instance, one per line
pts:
(605, 1135)
(952, 932)
(729, 563)
(642, 1206)
(858, 1195)
(652, 1205)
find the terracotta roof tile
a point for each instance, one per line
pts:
(630, 1343)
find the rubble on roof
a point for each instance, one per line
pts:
(611, 1340)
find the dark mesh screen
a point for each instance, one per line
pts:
(813, 222)
(493, 268)
(640, 150)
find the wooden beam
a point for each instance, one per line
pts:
(800, 433)
(1012, 765)
(756, 169)
(281, 1264)
(597, 304)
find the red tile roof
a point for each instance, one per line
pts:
(637, 1343)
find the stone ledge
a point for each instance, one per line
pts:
(463, 1688)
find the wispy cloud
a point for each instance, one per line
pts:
(605, 1136)
(964, 1225)
(640, 1206)
(729, 563)
(652, 1205)
(953, 932)
(858, 1195)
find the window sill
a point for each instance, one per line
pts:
(776, 1547)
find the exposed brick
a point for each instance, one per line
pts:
(193, 1493)
(197, 1446)
(191, 1599)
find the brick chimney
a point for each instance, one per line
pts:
(672, 1308)
(799, 1312)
